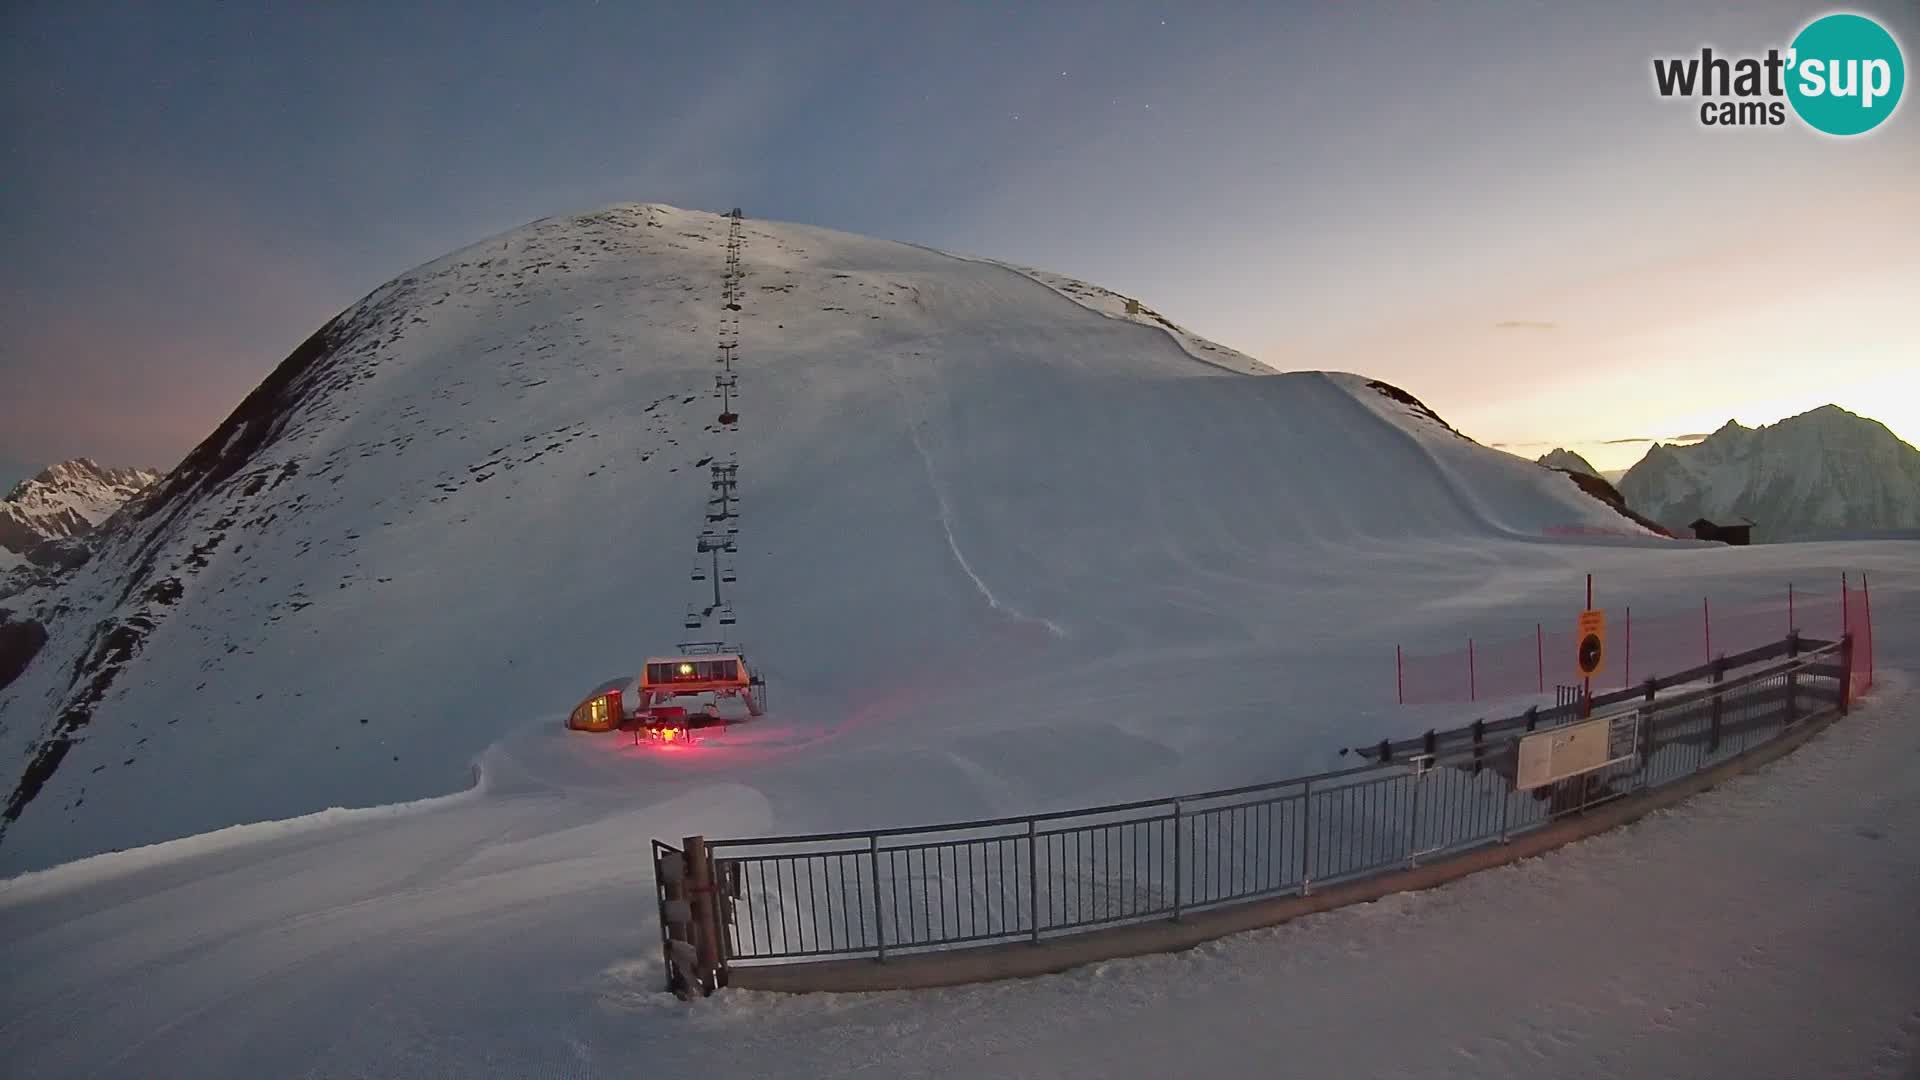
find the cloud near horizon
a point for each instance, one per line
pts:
(1693, 438)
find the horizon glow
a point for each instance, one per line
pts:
(1490, 208)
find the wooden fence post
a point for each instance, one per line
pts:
(706, 926)
(676, 918)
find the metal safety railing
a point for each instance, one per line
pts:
(887, 892)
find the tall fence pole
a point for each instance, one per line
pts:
(1540, 657)
(1866, 603)
(1628, 679)
(1399, 675)
(1846, 621)
(1586, 684)
(1306, 838)
(1713, 719)
(1706, 628)
(879, 925)
(1848, 657)
(1791, 623)
(1473, 693)
(1178, 874)
(1793, 653)
(1413, 814)
(1033, 878)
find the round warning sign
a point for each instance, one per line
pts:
(1592, 636)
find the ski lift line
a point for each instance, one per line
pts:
(719, 535)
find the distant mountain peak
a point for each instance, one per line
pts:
(1562, 458)
(1826, 471)
(65, 501)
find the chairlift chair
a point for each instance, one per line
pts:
(728, 574)
(693, 619)
(699, 570)
(726, 615)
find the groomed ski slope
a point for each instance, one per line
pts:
(1002, 545)
(1762, 930)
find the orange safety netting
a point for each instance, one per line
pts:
(1640, 645)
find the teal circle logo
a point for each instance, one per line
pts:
(1845, 74)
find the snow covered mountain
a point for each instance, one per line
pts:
(475, 494)
(65, 501)
(1562, 458)
(1822, 473)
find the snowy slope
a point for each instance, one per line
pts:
(1116, 306)
(66, 500)
(1823, 471)
(1762, 930)
(474, 495)
(1562, 458)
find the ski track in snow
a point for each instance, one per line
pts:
(914, 425)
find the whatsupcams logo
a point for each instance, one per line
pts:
(1842, 74)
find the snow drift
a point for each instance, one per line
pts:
(987, 518)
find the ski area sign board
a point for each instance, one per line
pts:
(1547, 756)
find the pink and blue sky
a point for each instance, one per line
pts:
(1485, 203)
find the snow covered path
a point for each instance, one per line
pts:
(1762, 930)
